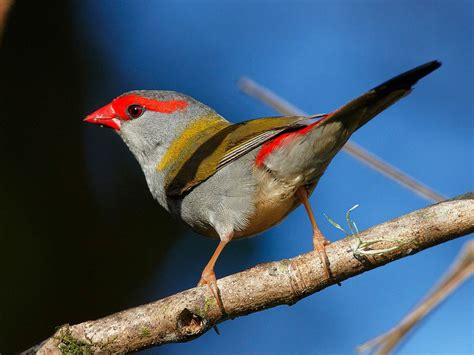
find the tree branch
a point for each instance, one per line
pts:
(189, 314)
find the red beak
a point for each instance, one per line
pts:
(104, 116)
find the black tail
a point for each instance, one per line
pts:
(359, 111)
(407, 79)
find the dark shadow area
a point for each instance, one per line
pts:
(60, 261)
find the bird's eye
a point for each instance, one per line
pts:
(135, 111)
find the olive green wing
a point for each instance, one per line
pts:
(214, 148)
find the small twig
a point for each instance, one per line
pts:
(279, 104)
(189, 314)
(364, 248)
(460, 271)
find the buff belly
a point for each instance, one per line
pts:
(267, 214)
(274, 200)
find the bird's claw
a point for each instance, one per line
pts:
(210, 280)
(320, 247)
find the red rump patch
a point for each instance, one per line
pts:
(121, 103)
(284, 139)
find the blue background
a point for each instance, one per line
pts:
(317, 55)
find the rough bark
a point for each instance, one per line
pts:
(189, 314)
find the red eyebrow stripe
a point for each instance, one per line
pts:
(120, 104)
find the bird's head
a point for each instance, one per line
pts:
(150, 121)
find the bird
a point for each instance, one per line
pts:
(229, 180)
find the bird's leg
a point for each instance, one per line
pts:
(209, 277)
(319, 241)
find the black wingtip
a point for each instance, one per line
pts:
(409, 78)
